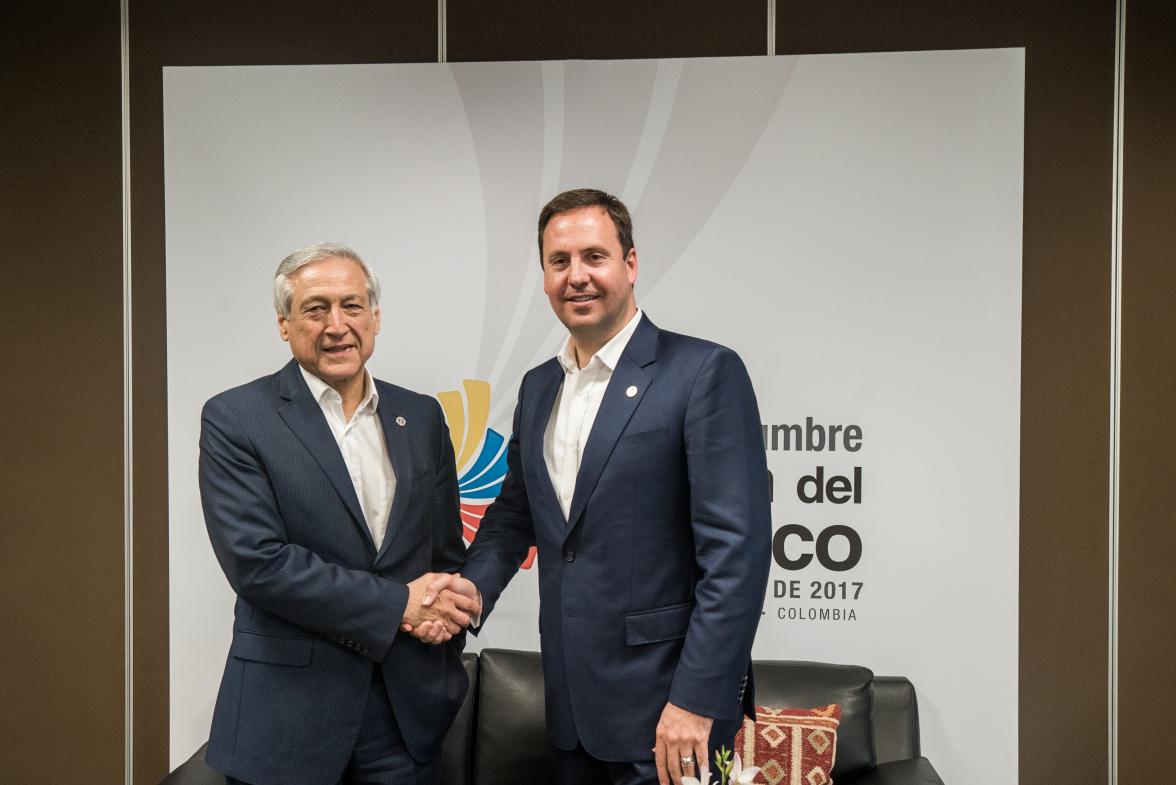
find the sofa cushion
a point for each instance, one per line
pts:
(916, 771)
(512, 744)
(790, 746)
(458, 745)
(802, 684)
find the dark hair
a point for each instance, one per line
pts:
(589, 197)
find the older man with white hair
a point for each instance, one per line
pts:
(331, 502)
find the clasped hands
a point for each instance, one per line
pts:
(440, 605)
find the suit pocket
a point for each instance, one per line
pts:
(272, 649)
(660, 624)
(643, 439)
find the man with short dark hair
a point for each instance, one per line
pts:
(637, 466)
(325, 492)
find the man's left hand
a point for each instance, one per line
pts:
(680, 734)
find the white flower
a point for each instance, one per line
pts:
(740, 775)
(703, 779)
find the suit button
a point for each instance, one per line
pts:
(569, 556)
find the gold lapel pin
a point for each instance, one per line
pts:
(632, 391)
(401, 421)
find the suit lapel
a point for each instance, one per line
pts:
(548, 379)
(398, 439)
(302, 414)
(632, 374)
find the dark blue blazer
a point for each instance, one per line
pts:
(652, 589)
(317, 606)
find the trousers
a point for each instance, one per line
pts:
(380, 757)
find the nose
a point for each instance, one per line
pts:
(336, 323)
(578, 273)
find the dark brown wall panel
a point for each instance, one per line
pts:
(217, 32)
(1147, 602)
(1069, 89)
(61, 538)
(483, 30)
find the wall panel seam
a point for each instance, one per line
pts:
(128, 443)
(771, 28)
(1115, 398)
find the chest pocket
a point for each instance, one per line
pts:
(633, 441)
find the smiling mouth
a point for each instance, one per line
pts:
(337, 349)
(582, 298)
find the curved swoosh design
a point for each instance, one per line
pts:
(480, 454)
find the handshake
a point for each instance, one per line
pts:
(440, 605)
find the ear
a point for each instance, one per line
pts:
(284, 328)
(376, 313)
(631, 264)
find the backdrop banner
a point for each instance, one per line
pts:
(850, 224)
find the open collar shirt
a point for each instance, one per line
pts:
(361, 441)
(576, 407)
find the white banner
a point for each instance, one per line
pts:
(850, 224)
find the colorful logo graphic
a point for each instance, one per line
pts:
(480, 453)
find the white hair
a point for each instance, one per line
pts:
(317, 252)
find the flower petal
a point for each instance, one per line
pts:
(747, 776)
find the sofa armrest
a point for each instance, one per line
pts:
(895, 720)
(194, 771)
(915, 771)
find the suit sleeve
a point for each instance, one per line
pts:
(250, 541)
(506, 532)
(731, 521)
(448, 546)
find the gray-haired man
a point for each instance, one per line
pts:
(326, 492)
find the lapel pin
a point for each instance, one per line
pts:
(632, 391)
(400, 421)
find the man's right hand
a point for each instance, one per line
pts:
(452, 583)
(435, 616)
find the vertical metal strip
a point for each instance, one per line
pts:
(128, 462)
(771, 27)
(1116, 379)
(442, 44)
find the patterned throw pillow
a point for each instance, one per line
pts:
(791, 746)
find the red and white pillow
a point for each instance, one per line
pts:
(791, 746)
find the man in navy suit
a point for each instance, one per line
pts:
(637, 466)
(331, 502)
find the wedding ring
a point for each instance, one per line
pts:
(687, 760)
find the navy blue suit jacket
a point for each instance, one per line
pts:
(652, 589)
(318, 607)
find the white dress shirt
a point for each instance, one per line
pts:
(575, 410)
(361, 440)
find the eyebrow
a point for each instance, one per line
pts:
(318, 299)
(590, 249)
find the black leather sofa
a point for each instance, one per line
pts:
(498, 737)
